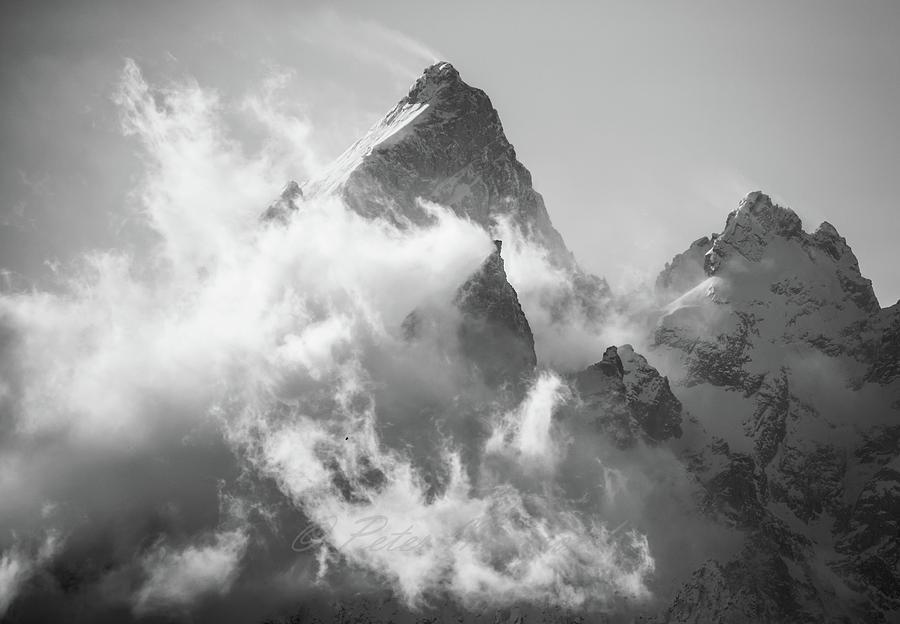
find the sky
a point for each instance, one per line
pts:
(643, 124)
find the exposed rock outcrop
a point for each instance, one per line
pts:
(286, 204)
(628, 398)
(494, 332)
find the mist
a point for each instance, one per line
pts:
(235, 411)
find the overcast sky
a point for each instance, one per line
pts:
(643, 124)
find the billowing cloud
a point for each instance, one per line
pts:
(19, 563)
(176, 578)
(266, 365)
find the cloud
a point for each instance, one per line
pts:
(267, 364)
(287, 136)
(527, 430)
(17, 565)
(567, 335)
(497, 548)
(369, 42)
(177, 578)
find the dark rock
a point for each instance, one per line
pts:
(281, 210)
(629, 399)
(649, 396)
(885, 346)
(686, 270)
(611, 358)
(494, 333)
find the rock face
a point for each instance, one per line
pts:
(686, 269)
(443, 143)
(494, 332)
(628, 399)
(491, 330)
(605, 404)
(785, 360)
(281, 208)
(764, 281)
(870, 541)
(884, 345)
(650, 397)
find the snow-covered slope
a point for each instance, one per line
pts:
(771, 283)
(788, 368)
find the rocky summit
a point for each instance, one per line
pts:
(444, 143)
(491, 330)
(775, 340)
(494, 331)
(769, 369)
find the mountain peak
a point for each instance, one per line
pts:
(765, 261)
(440, 71)
(434, 80)
(444, 143)
(758, 209)
(751, 228)
(286, 204)
(495, 332)
(828, 239)
(826, 229)
(758, 221)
